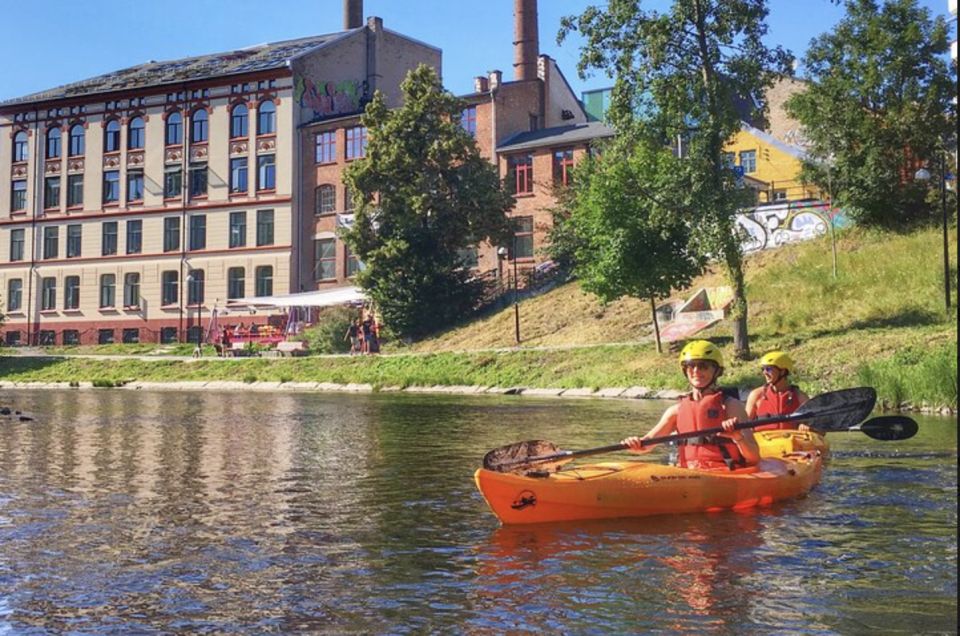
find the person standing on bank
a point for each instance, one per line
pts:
(777, 396)
(704, 407)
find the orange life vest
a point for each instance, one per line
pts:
(777, 403)
(710, 452)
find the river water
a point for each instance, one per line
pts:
(138, 512)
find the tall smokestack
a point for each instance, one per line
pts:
(526, 45)
(352, 14)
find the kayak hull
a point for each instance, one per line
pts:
(786, 443)
(639, 489)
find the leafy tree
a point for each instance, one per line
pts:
(621, 240)
(423, 195)
(879, 104)
(681, 74)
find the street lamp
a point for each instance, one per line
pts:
(192, 280)
(924, 175)
(503, 253)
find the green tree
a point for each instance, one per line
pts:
(880, 102)
(621, 239)
(681, 74)
(423, 195)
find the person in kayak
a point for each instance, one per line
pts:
(777, 396)
(704, 407)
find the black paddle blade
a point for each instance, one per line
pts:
(889, 428)
(510, 457)
(839, 410)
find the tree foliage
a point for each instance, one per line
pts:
(879, 103)
(682, 74)
(422, 195)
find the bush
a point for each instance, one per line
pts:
(326, 336)
(925, 376)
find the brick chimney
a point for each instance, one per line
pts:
(352, 14)
(526, 45)
(481, 84)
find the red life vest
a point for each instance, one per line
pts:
(777, 403)
(709, 453)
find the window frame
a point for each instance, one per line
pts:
(51, 202)
(320, 259)
(111, 136)
(520, 172)
(325, 147)
(169, 288)
(77, 141)
(171, 234)
(48, 293)
(196, 287)
(173, 129)
(136, 135)
(14, 294)
(197, 232)
(54, 143)
(468, 120)
(562, 166)
(109, 238)
(131, 290)
(266, 220)
(111, 186)
(21, 147)
(524, 234)
(18, 244)
(74, 187)
(74, 240)
(135, 183)
(356, 143)
(266, 119)
(51, 242)
(263, 280)
(236, 285)
(237, 230)
(325, 199)
(241, 121)
(266, 173)
(200, 126)
(239, 171)
(18, 195)
(71, 293)
(108, 291)
(134, 231)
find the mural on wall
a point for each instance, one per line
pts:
(775, 225)
(324, 99)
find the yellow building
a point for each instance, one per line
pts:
(771, 167)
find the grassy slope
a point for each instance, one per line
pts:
(882, 318)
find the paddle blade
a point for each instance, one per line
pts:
(838, 410)
(889, 428)
(510, 457)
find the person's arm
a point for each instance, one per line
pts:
(802, 398)
(752, 400)
(736, 412)
(666, 425)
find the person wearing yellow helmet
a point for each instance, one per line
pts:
(706, 406)
(777, 396)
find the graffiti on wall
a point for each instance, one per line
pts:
(328, 98)
(776, 225)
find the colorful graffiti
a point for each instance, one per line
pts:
(776, 225)
(328, 98)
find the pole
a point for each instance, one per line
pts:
(946, 247)
(830, 216)
(516, 299)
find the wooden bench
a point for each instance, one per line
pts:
(237, 350)
(292, 348)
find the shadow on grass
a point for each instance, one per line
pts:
(13, 365)
(911, 317)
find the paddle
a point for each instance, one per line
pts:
(834, 411)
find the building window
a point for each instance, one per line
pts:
(326, 148)
(111, 136)
(47, 338)
(51, 242)
(352, 264)
(111, 186)
(108, 245)
(71, 337)
(238, 229)
(20, 147)
(171, 234)
(172, 182)
(199, 127)
(468, 120)
(48, 294)
(356, 142)
(74, 240)
(105, 336)
(76, 140)
(168, 288)
(71, 292)
(235, 284)
(136, 134)
(51, 193)
(12, 338)
(134, 186)
(238, 175)
(18, 199)
(264, 227)
(523, 237)
(198, 180)
(326, 196)
(469, 257)
(134, 236)
(748, 161)
(264, 280)
(325, 259)
(239, 121)
(108, 291)
(74, 190)
(266, 172)
(131, 336)
(17, 244)
(266, 118)
(14, 294)
(779, 195)
(168, 335)
(195, 287)
(53, 142)
(174, 130)
(520, 173)
(131, 290)
(562, 166)
(198, 231)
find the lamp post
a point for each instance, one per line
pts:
(503, 253)
(924, 175)
(191, 291)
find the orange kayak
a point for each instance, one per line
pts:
(639, 489)
(784, 443)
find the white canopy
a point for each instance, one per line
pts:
(320, 298)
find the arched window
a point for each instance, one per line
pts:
(111, 136)
(239, 121)
(265, 280)
(326, 199)
(76, 140)
(53, 142)
(174, 136)
(136, 134)
(266, 118)
(131, 289)
(199, 126)
(20, 147)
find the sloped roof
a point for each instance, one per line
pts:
(556, 136)
(794, 151)
(251, 59)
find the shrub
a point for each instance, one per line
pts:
(326, 336)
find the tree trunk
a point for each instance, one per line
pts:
(738, 309)
(656, 325)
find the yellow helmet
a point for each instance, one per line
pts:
(777, 359)
(701, 350)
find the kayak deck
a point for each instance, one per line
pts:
(786, 443)
(638, 489)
